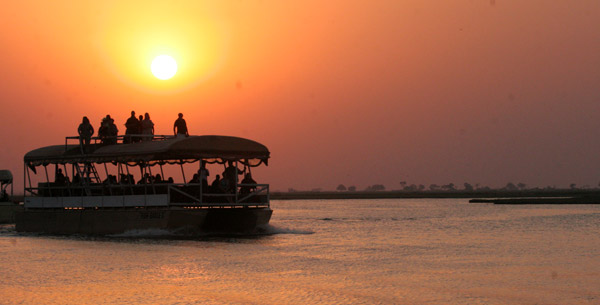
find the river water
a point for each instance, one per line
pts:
(388, 251)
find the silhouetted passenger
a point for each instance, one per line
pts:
(195, 179)
(203, 173)
(139, 129)
(158, 179)
(60, 177)
(170, 180)
(147, 128)
(76, 179)
(180, 127)
(247, 189)
(145, 179)
(127, 179)
(111, 179)
(230, 175)
(113, 131)
(215, 187)
(103, 131)
(108, 131)
(85, 131)
(132, 126)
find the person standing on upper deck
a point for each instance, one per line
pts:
(139, 131)
(132, 127)
(85, 130)
(180, 127)
(147, 128)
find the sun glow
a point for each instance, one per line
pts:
(197, 41)
(164, 67)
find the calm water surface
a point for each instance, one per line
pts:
(392, 251)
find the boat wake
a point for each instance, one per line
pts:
(145, 233)
(272, 230)
(179, 234)
(268, 230)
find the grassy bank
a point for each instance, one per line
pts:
(435, 194)
(424, 194)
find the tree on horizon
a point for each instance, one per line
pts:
(375, 187)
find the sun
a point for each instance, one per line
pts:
(163, 67)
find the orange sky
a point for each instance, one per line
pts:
(352, 92)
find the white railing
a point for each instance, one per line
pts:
(50, 195)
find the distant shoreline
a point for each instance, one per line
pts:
(478, 196)
(488, 194)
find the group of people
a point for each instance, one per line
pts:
(61, 179)
(137, 129)
(149, 179)
(108, 131)
(227, 183)
(142, 127)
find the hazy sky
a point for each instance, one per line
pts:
(352, 92)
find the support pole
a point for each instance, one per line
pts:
(182, 171)
(129, 182)
(68, 182)
(108, 179)
(47, 179)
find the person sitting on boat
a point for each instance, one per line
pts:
(251, 184)
(230, 174)
(132, 126)
(110, 179)
(158, 179)
(195, 179)
(85, 130)
(147, 128)
(76, 179)
(59, 177)
(127, 179)
(145, 179)
(215, 187)
(180, 127)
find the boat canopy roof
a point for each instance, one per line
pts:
(212, 149)
(5, 176)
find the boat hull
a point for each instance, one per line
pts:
(7, 212)
(115, 221)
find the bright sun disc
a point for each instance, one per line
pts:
(164, 67)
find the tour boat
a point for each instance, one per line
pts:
(86, 198)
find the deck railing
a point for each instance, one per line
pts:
(119, 139)
(178, 194)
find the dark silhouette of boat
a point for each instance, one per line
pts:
(80, 201)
